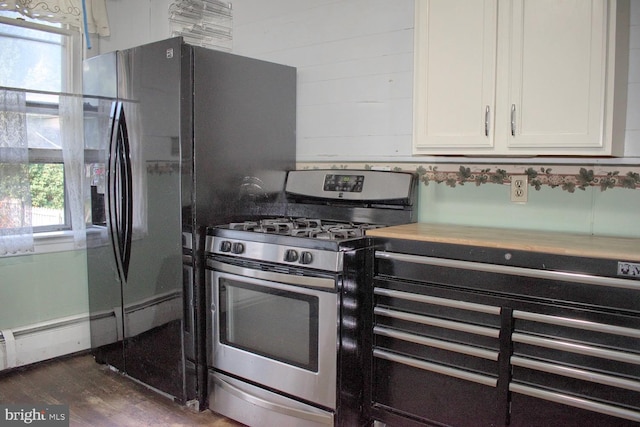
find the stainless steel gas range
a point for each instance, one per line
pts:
(284, 326)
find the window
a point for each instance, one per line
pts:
(41, 62)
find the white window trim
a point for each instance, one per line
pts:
(56, 241)
(53, 241)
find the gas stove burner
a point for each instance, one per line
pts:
(246, 225)
(270, 226)
(304, 223)
(335, 233)
(304, 227)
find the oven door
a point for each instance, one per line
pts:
(275, 330)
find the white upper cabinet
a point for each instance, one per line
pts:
(455, 75)
(520, 77)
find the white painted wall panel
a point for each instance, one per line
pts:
(318, 23)
(375, 88)
(356, 67)
(135, 22)
(255, 11)
(353, 119)
(355, 71)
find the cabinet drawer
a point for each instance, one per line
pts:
(451, 332)
(532, 411)
(417, 392)
(428, 340)
(511, 282)
(577, 362)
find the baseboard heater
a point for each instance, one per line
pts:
(45, 340)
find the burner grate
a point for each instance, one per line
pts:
(304, 227)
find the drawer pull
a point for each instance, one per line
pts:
(438, 369)
(577, 324)
(579, 374)
(513, 271)
(582, 349)
(575, 402)
(432, 321)
(443, 345)
(408, 296)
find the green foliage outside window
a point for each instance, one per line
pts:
(47, 185)
(46, 181)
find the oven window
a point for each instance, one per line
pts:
(277, 324)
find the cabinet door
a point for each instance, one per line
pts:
(557, 73)
(455, 57)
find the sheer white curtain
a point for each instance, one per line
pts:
(71, 131)
(68, 12)
(16, 234)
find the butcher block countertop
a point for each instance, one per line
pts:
(582, 245)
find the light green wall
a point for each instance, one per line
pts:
(36, 288)
(613, 212)
(593, 199)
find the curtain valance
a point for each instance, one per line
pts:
(68, 12)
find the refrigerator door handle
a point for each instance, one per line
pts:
(127, 191)
(120, 183)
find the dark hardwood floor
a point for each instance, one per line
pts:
(98, 396)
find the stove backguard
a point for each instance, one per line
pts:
(359, 196)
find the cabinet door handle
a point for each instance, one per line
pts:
(513, 119)
(486, 121)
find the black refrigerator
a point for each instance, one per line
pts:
(177, 138)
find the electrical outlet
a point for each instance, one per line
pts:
(519, 188)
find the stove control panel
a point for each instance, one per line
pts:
(301, 257)
(396, 188)
(345, 183)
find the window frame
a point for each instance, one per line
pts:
(57, 237)
(49, 156)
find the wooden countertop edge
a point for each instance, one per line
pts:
(589, 246)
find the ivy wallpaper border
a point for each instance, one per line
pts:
(566, 177)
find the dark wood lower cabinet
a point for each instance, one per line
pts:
(459, 342)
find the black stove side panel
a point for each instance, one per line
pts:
(353, 292)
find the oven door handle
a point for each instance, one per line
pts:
(288, 279)
(318, 418)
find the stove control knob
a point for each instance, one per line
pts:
(237, 248)
(225, 246)
(290, 255)
(306, 258)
